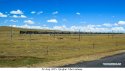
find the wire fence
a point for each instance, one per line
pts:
(54, 43)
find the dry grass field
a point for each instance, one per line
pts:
(25, 50)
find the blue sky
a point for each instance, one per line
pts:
(84, 15)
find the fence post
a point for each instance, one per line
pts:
(11, 32)
(112, 34)
(47, 51)
(30, 37)
(93, 45)
(79, 35)
(116, 43)
(54, 34)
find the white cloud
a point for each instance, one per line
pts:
(77, 13)
(40, 12)
(2, 15)
(60, 27)
(25, 26)
(52, 21)
(13, 20)
(121, 23)
(15, 16)
(107, 24)
(117, 29)
(19, 16)
(16, 12)
(56, 12)
(33, 12)
(22, 26)
(13, 25)
(29, 22)
(23, 16)
(90, 28)
(32, 27)
(87, 28)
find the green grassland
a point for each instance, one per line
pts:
(24, 50)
